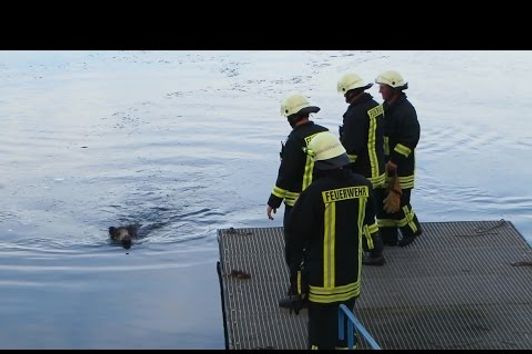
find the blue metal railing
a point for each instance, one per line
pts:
(352, 321)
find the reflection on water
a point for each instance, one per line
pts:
(185, 143)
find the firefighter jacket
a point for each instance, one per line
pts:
(363, 138)
(327, 224)
(401, 135)
(295, 171)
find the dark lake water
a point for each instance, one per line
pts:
(185, 143)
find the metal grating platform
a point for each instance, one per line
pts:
(461, 285)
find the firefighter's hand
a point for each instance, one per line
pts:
(296, 304)
(269, 210)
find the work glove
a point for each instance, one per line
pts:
(298, 293)
(392, 202)
(297, 302)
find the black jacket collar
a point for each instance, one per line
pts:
(362, 98)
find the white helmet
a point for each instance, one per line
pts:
(327, 151)
(297, 104)
(392, 79)
(351, 81)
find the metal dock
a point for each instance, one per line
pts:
(461, 285)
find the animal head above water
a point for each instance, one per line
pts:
(123, 234)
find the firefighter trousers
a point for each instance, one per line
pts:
(405, 219)
(323, 325)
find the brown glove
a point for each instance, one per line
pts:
(392, 203)
(391, 168)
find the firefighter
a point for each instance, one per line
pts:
(401, 136)
(295, 170)
(362, 136)
(326, 240)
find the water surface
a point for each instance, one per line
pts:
(187, 142)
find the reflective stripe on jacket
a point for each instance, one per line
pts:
(363, 138)
(327, 224)
(401, 135)
(295, 171)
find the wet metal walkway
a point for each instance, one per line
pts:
(461, 285)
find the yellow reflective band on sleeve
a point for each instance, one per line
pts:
(314, 347)
(299, 282)
(279, 192)
(335, 195)
(386, 146)
(403, 150)
(372, 154)
(289, 197)
(406, 179)
(352, 158)
(290, 202)
(406, 182)
(378, 181)
(328, 245)
(409, 185)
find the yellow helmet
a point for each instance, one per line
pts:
(392, 79)
(296, 104)
(327, 151)
(351, 81)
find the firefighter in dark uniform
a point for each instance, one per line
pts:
(401, 136)
(295, 171)
(326, 240)
(362, 136)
